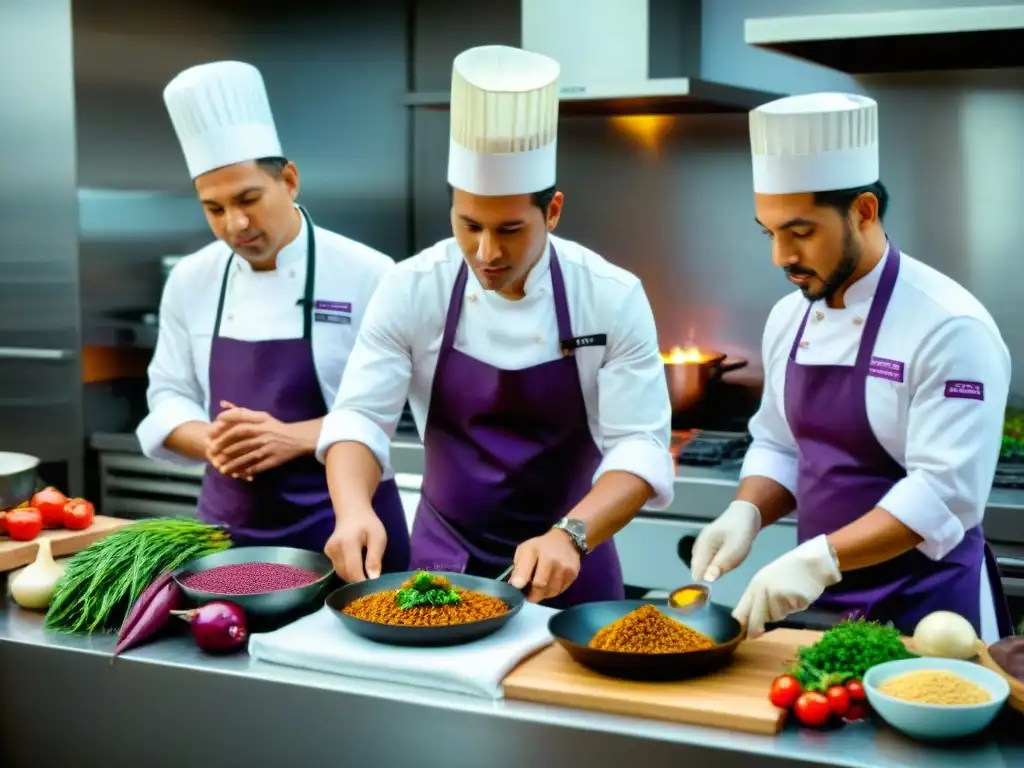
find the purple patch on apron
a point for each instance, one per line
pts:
(334, 306)
(508, 454)
(967, 390)
(884, 368)
(289, 505)
(844, 473)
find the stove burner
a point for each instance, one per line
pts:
(1009, 474)
(706, 448)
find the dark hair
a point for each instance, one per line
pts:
(842, 199)
(273, 165)
(540, 199)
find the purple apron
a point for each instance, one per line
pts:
(508, 454)
(844, 472)
(289, 505)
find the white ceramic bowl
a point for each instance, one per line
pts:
(936, 721)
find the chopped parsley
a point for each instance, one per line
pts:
(426, 589)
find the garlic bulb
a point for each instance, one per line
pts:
(946, 635)
(33, 588)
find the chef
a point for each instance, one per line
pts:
(256, 328)
(885, 389)
(531, 365)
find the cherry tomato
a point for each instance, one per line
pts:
(838, 700)
(78, 514)
(3, 523)
(24, 524)
(812, 709)
(858, 711)
(855, 690)
(785, 691)
(50, 502)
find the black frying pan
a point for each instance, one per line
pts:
(452, 634)
(575, 627)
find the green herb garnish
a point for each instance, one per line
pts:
(101, 582)
(847, 651)
(426, 589)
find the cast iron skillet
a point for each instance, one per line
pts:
(575, 627)
(425, 636)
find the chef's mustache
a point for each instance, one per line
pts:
(800, 272)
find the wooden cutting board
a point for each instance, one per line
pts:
(14, 554)
(735, 697)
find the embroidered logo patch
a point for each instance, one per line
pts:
(883, 368)
(337, 312)
(334, 306)
(966, 390)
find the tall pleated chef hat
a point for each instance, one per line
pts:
(504, 121)
(221, 114)
(816, 142)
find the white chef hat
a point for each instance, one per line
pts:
(504, 121)
(222, 116)
(816, 142)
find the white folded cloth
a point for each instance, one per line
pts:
(320, 642)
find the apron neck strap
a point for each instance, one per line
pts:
(306, 302)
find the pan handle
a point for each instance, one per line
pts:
(732, 364)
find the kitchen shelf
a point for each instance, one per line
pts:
(898, 41)
(666, 96)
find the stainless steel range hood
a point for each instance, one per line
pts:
(624, 57)
(899, 41)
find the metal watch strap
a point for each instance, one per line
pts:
(576, 531)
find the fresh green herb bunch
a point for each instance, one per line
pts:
(426, 589)
(847, 651)
(101, 582)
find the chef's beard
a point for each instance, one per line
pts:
(848, 263)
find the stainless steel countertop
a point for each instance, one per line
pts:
(22, 637)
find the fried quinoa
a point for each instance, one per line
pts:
(426, 600)
(648, 630)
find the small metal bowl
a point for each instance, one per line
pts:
(263, 603)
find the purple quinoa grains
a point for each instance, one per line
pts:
(250, 578)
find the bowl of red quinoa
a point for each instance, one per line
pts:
(264, 581)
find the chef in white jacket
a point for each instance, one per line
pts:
(256, 328)
(531, 365)
(885, 389)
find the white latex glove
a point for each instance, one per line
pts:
(788, 584)
(725, 543)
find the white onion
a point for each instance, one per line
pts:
(948, 635)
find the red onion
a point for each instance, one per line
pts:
(217, 627)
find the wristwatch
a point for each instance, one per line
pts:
(577, 531)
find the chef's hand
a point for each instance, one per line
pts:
(354, 534)
(725, 543)
(243, 443)
(548, 563)
(787, 585)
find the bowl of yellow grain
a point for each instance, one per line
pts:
(933, 699)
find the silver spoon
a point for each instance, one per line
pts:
(690, 598)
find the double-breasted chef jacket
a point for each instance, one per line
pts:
(211, 297)
(936, 393)
(403, 337)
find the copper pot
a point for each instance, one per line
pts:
(690, 372)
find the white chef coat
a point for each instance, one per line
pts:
(624, 386)
(258, 306)
(949, 446)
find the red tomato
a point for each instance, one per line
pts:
(785, 691)
(78, 514)
(24, 524)
(858, 711)
(855, 689)
(50, 503)
(812, 709)
(3, 523)
(838, 700)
